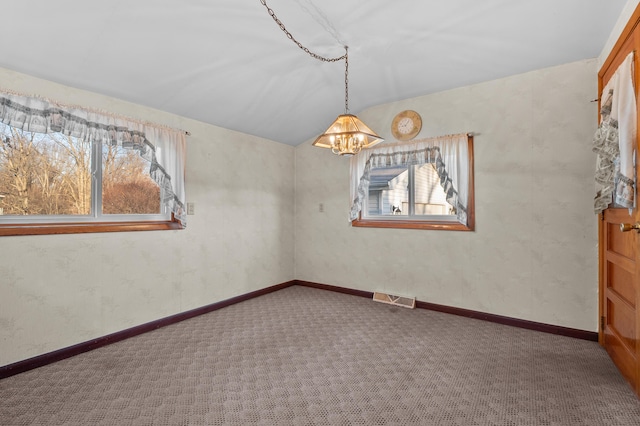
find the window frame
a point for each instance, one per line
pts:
(42, 228)
(399, 222)
(96, 221)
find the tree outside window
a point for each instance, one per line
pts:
(51, 175)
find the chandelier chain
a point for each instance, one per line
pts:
(346, 80)
(290, 37)
(315, 55)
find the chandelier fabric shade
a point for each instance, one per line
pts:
(347, 136)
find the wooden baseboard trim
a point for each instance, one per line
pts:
(351, 291)
(514, 322)
(60, 354)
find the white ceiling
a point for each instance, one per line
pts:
(227, 63)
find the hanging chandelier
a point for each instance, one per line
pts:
(347, 135)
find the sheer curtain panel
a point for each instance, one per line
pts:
(163, 147)
(614, 141)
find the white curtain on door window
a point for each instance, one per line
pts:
(450, 155)
(163, 147)
(615, 140)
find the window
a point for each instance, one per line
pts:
(421, 185)
(49, 175)
(409, 191)
(61, 172)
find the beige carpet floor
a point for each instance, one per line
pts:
(303, 356)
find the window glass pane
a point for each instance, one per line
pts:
(388, 191)
(429, 194)
(409, 190)
(44, 174)
(127, 187)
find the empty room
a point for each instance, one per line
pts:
(305, 212)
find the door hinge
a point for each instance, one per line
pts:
(602, 321)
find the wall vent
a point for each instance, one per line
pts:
(405, 302)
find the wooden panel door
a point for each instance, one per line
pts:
(619, 262)
(620, 275)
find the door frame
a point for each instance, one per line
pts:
(629, 41)
(625, 44)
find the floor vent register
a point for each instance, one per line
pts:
(405, 302)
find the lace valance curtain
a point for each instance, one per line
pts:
(164, 148)
(614, 141)
(449, 154)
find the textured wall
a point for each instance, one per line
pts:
(534, 252)
(59, 290)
